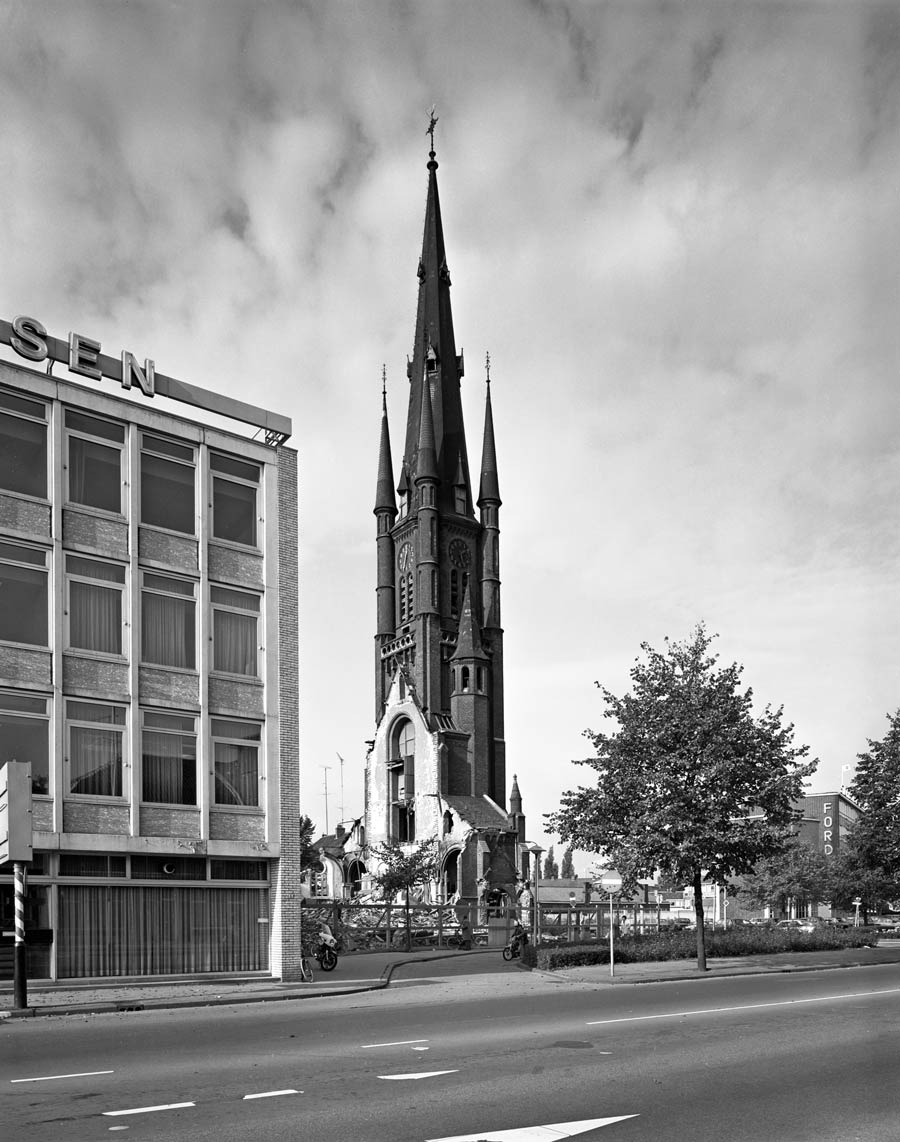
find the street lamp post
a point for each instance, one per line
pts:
(536, 920)
(611, 882)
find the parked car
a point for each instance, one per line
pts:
(796, 925)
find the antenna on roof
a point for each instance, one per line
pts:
(326, 768)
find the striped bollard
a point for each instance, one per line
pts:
(20, 966)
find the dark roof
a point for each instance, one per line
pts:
(480, 812)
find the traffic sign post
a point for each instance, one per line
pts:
(611, 882)
(16, 845)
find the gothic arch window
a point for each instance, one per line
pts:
(464, 682)
(401, 773)
(458, 583)
(479, 679)
(405, 595)
(448, 822)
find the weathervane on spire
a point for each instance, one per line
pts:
(432, 123)
(487, 366)
(384, 381)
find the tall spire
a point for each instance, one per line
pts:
(434, 352)
(489, 488)
(384, 488)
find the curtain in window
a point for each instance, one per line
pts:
(95, 618)
(234, 643)
(96, 761)
(136, 930)
(169, 769)
(236, 774)
(167, 630)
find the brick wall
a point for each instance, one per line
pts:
(285, 900)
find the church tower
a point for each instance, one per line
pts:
(437, 766)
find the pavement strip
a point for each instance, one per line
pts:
(548, 1133)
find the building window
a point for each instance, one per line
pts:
(23, 594)
(95, 744)
(24, 736)
(167, 484)
(234, 490)
(235, 762)
(168, 609)
(458, 582)
(169, 759)
(95, 605)
(94, 465)
(405, 593)
(235, 640)
(23, 445)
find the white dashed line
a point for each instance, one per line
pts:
(420, 1075)
(399, 1043)
(48, 1078)
(271, 1094)
(148, 1109)
(743, 1007)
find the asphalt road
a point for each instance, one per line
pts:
(780, 1058)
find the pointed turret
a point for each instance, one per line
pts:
(489, 488)
(385, 514)
(385, 501)
(468, 644)
(426, 458)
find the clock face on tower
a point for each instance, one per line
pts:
(459, 553)
(404, 559)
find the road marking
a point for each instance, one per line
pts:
(421, 1048)
(536, 1133)
(272, 1094)
(419, 1075)
(399, 1043)
(744, 1007)
(48, 1078)
(148, 1109)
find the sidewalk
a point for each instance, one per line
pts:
(377, 970)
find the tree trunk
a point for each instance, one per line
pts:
(408, 925)
(698, 915)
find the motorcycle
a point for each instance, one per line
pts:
(326, 951)
(517, 942)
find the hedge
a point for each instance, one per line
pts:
(653, 947)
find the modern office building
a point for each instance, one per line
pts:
(148, 666)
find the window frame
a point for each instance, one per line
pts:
(78, 433)
(223, 607)
(10, 561)
(9, 709)
(217, 737)
(7, 409)
(103, 584)
(172, 731)
(147, 448)
(224, 475)
(118, 727)
(183, 595)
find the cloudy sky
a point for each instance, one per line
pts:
(674, 226)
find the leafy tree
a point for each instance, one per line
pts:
(799, 872)
(853, 877)
(551, 868)
(875, 839)
(691, 784)
(567, 872)
(308, 854)
(399, 870)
